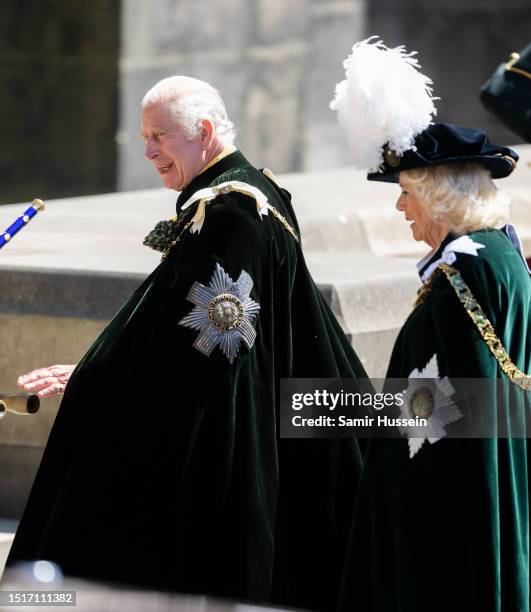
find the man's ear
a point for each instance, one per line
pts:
(208, 134)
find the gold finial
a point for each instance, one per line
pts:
(514, 58)
(37, 204)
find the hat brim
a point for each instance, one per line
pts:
(499, 167)
(444, 143)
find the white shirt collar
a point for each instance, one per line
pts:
(425, 260)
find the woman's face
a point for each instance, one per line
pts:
(423, 227)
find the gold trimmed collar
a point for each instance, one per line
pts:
(227, 151)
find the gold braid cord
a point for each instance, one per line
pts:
(180, 235)
(284, 222)
(274, 211)
(425, 289)
(510, 66)
(485, 328)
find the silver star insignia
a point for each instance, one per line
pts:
(223, 313)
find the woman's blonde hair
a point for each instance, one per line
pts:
(463, 193)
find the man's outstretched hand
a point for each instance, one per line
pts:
(46, 382)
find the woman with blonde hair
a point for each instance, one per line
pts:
(442, 522)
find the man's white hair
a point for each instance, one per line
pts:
(462, 193)
(190, 101)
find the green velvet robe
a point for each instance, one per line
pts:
(164, 467)
(448, 530)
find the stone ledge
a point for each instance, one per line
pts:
(338, 210)
(19, 466)
(83, 294)
(6, 539)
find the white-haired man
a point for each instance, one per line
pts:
(182, 482)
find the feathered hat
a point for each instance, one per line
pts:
(386, 107)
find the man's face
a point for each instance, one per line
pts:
(176, 158)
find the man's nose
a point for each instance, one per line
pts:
(151, 150)
(400, 205)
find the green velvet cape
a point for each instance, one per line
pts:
(164, 467)
(448, 530)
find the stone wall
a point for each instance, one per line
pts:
(275, 64)
(58, 78)
(460, 43)
(73, 74)
(46, 317)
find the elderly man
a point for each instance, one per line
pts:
(164, 467)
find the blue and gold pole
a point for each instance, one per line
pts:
(14, 228)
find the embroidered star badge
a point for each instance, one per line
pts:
(428, 397)
(223, 313)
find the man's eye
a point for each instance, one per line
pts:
(156, 135)
(404, 193)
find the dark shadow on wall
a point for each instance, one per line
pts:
(58, 102)
(459, 44)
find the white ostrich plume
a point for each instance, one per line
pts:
(384, 99)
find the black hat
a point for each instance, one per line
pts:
(443, 143)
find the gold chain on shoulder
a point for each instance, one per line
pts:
(425, 288)
(267, 172)
(485, 328)
(166, 252)
(282, 220)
